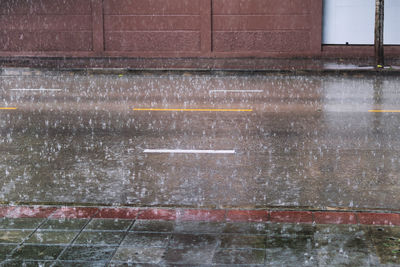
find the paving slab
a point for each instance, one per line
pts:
(108, 225)
(64, 224)
(51, 237)
(88, 253)
(37, 252)
(146, 240)
(153, 226)
(204, 241)
(100, 238)
(20, 223)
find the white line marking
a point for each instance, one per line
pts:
(189, 151)
(236, 91)
(38, 89)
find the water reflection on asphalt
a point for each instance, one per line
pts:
(307, 141)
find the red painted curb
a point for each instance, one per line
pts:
(335, 218)
(379, 218)
(201, 215)
(246, 216)
(30, 212)
(157, 214)
(74, 213)
(4, 211)
(120, 213)
(318, 217)
(291, 217)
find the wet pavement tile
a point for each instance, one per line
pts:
(13, 236)
(108, 225)
(290, 257)
(386, 241)
(100, 238)
(80, 264)
(246, 228)
(343, 250)
(199, 227)
(290, 229)
(37, 252)
(189, 255)
(270, 229)
(193, 241)
(146, 240)
(243, 241)
(5, 250)
(27, 263)
(88, 253)
(129, 264)
(239, 256)
(304, 242)
(333, 229)
(153, 226)
(51, 237)
(290, 251)
(139, 255)
(64, 224)
(20, 223)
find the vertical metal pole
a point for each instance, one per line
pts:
(379, 17)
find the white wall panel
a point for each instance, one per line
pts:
(392, 22)
(353, 22)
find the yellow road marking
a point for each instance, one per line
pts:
(190, 109)
(382, 110)
(7, 108)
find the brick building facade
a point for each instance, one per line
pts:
(169, 28)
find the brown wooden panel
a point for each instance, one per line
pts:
(152, 41)
(76, 7)
(45, 41)
(289, 41)
(150, 7)
(259, 22)
(46, 22)
(261, 7)
(148, 23)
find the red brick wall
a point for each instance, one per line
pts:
(45, 25)
(262, 25)
(166, 28)
(152, 25)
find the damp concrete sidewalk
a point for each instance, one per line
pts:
(123, 236)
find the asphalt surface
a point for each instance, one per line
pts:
(289, 140)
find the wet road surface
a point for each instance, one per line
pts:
(213, 140)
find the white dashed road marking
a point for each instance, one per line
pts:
(236, 91)
(34, 89)
(189, 151)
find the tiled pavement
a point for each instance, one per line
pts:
(67, 236)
